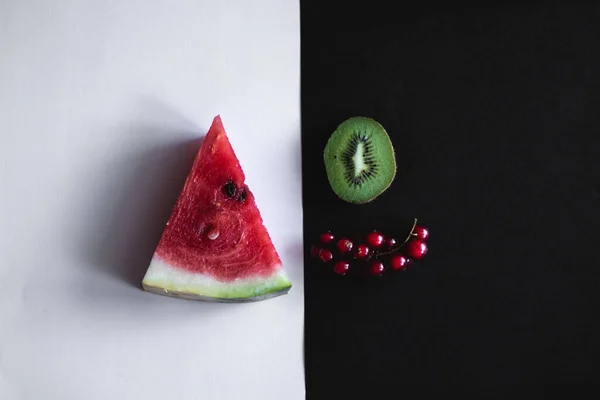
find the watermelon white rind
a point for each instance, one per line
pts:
(165, 280)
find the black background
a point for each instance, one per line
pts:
(495, 116)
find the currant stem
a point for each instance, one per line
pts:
(411, 232)
(393, 250)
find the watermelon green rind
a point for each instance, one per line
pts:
(163, 279)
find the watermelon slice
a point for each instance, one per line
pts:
(215, 246)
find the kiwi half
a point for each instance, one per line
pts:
(359, 160)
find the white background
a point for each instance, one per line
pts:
(101, 106)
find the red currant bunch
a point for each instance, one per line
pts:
(374, 253)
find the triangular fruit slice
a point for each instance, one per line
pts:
(215, 246)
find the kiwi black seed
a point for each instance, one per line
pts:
(359, 160)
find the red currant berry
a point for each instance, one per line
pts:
(341, 267)
(314, 251)
(416, 249)
(375, 239)
(377, 268)
(345, 245)
(325, 255)
(390, 242)
(327, 237)
(362, 251)
(421, 232)
(400, 262)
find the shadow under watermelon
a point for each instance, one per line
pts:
(145, 189)
(126, 195)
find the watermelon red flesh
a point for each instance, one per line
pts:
(243, 248)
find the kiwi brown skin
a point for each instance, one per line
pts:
(382, 160)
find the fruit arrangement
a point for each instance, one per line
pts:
(360, 163)
(371, 254)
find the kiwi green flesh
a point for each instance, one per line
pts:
(359, 160)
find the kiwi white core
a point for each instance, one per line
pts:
(359, 160)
